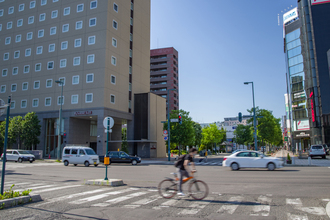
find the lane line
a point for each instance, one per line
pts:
(230, 209)
(120, 199)
(93, 198)
(58, 199)
(53, 189)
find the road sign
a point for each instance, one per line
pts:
(105, 131)
(165, 132)
(174, 120)
(165, 138)
(2, 110)
(105, 122)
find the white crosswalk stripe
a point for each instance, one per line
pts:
(195, 207)
(230, 209)
(55, 188)
(141, 202)
(93, 198)
(119, 199)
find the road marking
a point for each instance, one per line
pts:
(37, 187)
(92, 198)
(294, 202)
(262, 210)
(313, 210)
(119, 199)
(141, 202)
(264, 200)
(71, 196)
(326, 200)
(230, 209)
(195, 207)
(166, 204)
(297, 217)
(56, 188)
(328, 209)
(10, 184)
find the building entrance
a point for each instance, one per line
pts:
(51, 137)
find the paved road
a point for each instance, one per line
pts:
(288, 193)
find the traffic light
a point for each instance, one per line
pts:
(180, 119)
(64, 135)
(240, 116)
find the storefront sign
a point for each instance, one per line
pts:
(302, 125)
(302, 134)
(315, 2)
(83, 113)
(290, 15)
(312, 106)
(299, 95)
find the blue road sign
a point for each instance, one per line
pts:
(165, 138)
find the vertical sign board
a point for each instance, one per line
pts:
(311, 96)
(316, 2)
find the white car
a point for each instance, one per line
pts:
(80, 155)
(19, 156)
(251, 159)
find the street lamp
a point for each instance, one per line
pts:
(168, 121)
(61, 82)
(254, 118)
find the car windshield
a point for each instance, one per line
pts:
(23, 152)
(90, 151)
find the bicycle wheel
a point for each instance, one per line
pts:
(167, 188)
(198, 189)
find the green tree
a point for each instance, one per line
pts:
(212, 135)
(31, 130)
(124, 143)
(243, 134)
(183, 134)
(16, 131)
(198, 134)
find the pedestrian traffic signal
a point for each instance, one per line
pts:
(180, 119)
(240, 116)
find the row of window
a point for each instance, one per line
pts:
(50, 65)
(66, 11)
(60, 100)
(65, 27)
(49, 83)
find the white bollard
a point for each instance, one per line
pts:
(293, 160)
(309, 161)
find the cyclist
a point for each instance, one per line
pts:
(183, 169)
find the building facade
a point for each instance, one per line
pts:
(306, 46)
(100, 50)
(164, 75)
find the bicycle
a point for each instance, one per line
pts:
(197, 188)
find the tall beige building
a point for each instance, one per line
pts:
(100, 49)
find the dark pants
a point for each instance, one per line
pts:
(181, 173)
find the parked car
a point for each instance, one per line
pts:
(251, 159)
(79, 155)
(317, 151)
(122, 157)
(19, 156)
(326, 149)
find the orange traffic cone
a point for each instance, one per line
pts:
(48, 156)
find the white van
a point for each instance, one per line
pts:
(79, 155)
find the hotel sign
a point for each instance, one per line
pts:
(315, 2)
(290, 15)
(83, 113)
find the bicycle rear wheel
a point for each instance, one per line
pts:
(167, 188)
(198, 189)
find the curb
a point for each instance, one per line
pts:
(102, 182)
(19, 201)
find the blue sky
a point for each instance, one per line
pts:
(222, 44)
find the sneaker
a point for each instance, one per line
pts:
(181, 194)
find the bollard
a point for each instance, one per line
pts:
(309, 161)
(293, 160)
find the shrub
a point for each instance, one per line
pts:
(288, 157)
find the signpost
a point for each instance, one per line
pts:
(174, 120)
(108, 123)
(2, 106)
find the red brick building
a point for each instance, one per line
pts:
(164, 75)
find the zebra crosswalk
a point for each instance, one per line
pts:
(135, 198)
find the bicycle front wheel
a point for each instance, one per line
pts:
(198, 189)
(167, 188)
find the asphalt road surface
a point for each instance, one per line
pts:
(287, 193)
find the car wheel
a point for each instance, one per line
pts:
(20, 160)
(271, 166)
(86, 164)
(66, 163)
(75, 165)
(31, 161)
(134, 162)
(323, 157)
(234, 166)
(95, 165)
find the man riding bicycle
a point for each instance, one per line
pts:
(183, 168)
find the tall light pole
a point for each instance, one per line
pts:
(60, 118)
(168, 122)
(254, 118)
(4, 159)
